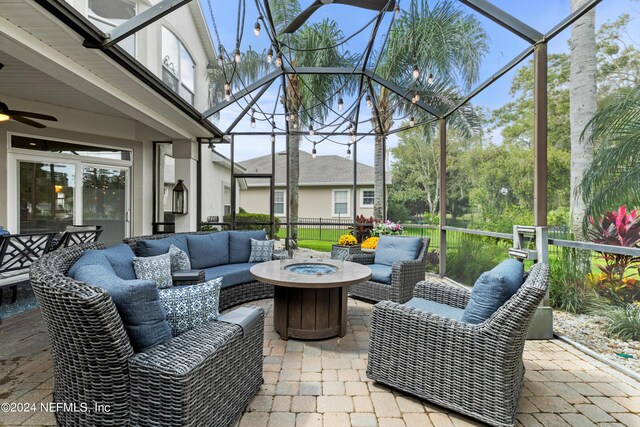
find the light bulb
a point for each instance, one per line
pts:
(311, 131)
(314, 153)
(368, 101)
(349, 152)
(340, 104)
(353, 137)
(253, 122)
(273, 137)
(279, 60)
(270, 55)
(256, 29)
(412, 121)
(227, 86)
(417, 97)
(227, 95)
(295, 124)
(397, 10)
(237, 56)
(220, 60)
(416, 72)
(430, 79)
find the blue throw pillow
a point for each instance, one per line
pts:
(240, 244)
(492, 289)
(208, 250)
(261, 250)
(394, 248)
(90, 257)
(137, 302)
(192, 305)
(161, 246)
(121, 259)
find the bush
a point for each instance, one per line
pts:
(473, 256)
(242, 218)
(398, 212)
(624, 322)
(569, 288)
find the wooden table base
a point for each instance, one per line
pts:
(310, 313)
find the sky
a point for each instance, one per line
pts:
(504, 46)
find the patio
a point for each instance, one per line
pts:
(318, 383)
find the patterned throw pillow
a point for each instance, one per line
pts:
(179, 259)
(190, 306)
(156, 268)
(261, 250)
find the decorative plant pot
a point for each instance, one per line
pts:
(341, 251)
(368, 251)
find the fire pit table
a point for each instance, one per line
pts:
(310, 298)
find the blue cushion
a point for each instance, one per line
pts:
(137, 302)
(240, 244)
(232, 274)
(433, 307)
(492, 289)
(91, 257)
(208, 250)
(121, 259)
(380, 273)
(190, 306)
(393, 248)
(161, 246)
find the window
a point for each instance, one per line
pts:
(178, 68)
(340, 202)
(279, 203)
(226, 199)
(367, 199)
(108, 14)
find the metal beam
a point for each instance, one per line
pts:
(250, 104)
(374, 102)
(266, 80)
(443, 197)
(421, 123)
(403, 93)
(321, 70)
(579, 13)
(505, 20)
(540, 136)
(141, 20)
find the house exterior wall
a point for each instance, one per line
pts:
(215, 175)
(314, 202)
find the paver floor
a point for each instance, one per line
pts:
(323, 383)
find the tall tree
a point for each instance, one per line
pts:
(443, 41)
(582, 105)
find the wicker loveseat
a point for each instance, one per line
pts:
(192, 380)
(474, 369)
(404, 276)
(232, 293)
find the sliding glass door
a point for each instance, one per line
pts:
(104, 201)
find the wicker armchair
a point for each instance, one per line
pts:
(192, 380)
(476, 370)
(404, 276)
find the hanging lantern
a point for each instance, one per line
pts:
(180, 204)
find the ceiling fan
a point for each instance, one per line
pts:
(386, 5)
(23, 116)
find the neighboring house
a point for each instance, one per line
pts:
(96, 164)
(216, 179)
(326, 187)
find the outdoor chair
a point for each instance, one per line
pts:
(393, 281)
(76, 235)
(474, 369)
(203, 377)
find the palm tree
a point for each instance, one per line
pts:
(612, 177)
(583, 105)
(443, 41)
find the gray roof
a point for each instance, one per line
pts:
(323, 170)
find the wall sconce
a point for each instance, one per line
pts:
(180, 205)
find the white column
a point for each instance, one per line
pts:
(185, 153)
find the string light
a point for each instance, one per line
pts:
(256, 28)
(253, 119)
(270, 55)
(349, 151)
(273, 137)
(397, 10)
(227, 86)
(353, 137)
(412, 121)
(368, 101)
(311, 131)
(314, 152)
(279, 60)
(220, 60)
(415, 98)
(416, 72)
(430, 79)
(227, 95)
(237, 56)
(340, 103)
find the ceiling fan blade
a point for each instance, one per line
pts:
(28, 122)
(30, 114)
(302, 17)
(369, 4)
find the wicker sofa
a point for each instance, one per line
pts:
(231, 294)
(404, 276)
(474, 369)
(191, 380)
